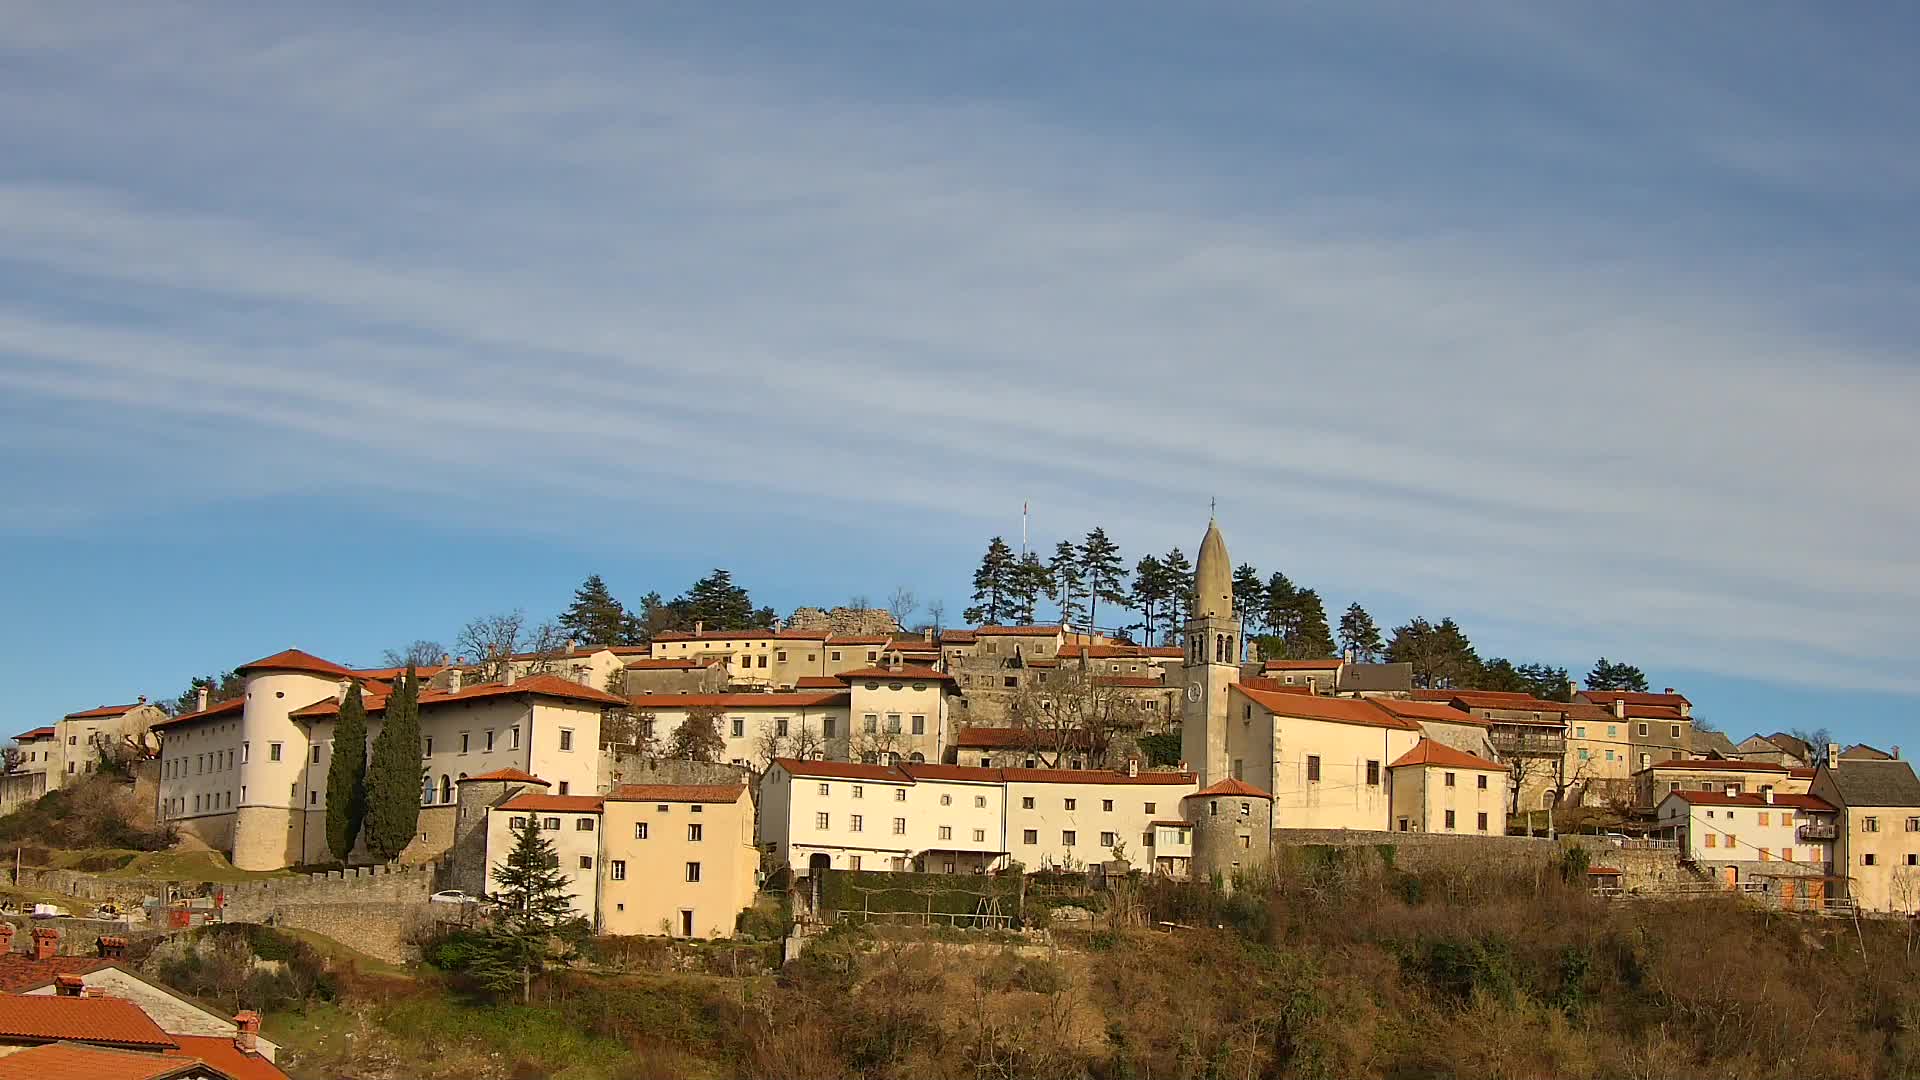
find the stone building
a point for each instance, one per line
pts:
(1232, 830)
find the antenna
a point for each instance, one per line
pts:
(1023, 528)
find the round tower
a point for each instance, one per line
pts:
(269, 820)
(1212, 662)
(1232, 830)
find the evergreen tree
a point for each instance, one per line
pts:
(698, 738)
(347, 775)
(1151, 591)
(1279, 607)
(1249, 598)
(1180, 593)
(1500, 674)
(1310, 639)
(534, 907)
(1610, 676)
(595, 616)
(1359, 634)
(393, 780)
(1102, 572)
(716, 603)
(993, 585)
(1546, 682)
(1441, 655)
(1028, 584)
(1064, 570)
(219, 688)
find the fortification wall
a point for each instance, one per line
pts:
(383, 930)
(253, 901)
(621, 768)
(1419, 850)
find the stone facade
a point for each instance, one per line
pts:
(1232, 833)
(844, 620)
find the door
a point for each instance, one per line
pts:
(686, 922)
(1729, 877)
(1786, 892)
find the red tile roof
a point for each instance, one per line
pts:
(818, 682)
(899, 673)
(230, 707)
(1718, 765)
(1071, 651)
(1093, 776)
(106, 1021)
(967, 773)
(810, 700)
(686, 793)
(512, 775)
(1806, 772)
(740, 635)
(393, 674)
(103, 712)
(1182, 822)
(1652, 712)
(957, 637)
(558, 804)
(905, 773)
(20, 971)
(992, 738)
(1302, 665)
(1331, 709)
(1493, 699)
(842, 770)
(1631, 697)
(36, 733)
(220, 1052)
(859, 639)
(552, 686)
(1274, 685)
(295, 660)
(1753, 799)
(1428, 710)
(670, 664)
(75, 1061)
(1428, 752)
(1233, 787)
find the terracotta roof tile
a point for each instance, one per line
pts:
(1233, 787)
(1001, 738)
(687, 793)
(558, 804)
(20, 971)
(1428, 752)
(818, 682)
(103, 712)
(512, 775)
(859, 639)
(1631, 697)
(957, 637)
(1717, 765)
(1428, 710)
(393, 674)
(842, 770)
(36, 733)
(1274, 685)
(908, 674)
(967, 773)
(220, 1052)
(1093, 776)
(741, 635)
(295, 660)
(228, 708)
(541, 685)
(75, 1061)
(1334, 710)
(809, 700)
(1754, 799)
(107, 1021)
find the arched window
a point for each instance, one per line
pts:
(871, 757)
(893, 758)
(918, 758)
(1219, 648)
(446, 788)
(426, 790)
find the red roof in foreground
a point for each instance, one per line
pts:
(1334, 710)
(808, 700)
(544, 685)
(700, 793)
(20, 971)
(74, 1061)
(230, 707)
(1631, 697)
(1231, 786)
(219, 1052)
(107, 1021)
(515, 775)
(1753, 799)
(1428, 710)
(818, 682)
(36, 733)
(1428, 752)
(905, 773)
(559, 804)
(900, 673)
(842, 770)
(103, 711)
(295, 660)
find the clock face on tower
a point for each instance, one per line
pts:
(1193, 691)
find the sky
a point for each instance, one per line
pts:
(334, 326)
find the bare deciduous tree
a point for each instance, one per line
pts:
(698, 737)
(901, 605)
(420, 653)
(494, 641)
(1069, 713)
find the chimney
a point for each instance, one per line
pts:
(570, 646)
(1133, 766)
(1767, 794)
(6, 937)
(928, 635)
(203, 700)
(453, 680)
(68, 985)
(143, 699)
(46, 942)
(1833, 755)
(510, 675)
(1668, 691)
(1620, 708)
(246, 1025)
(698, 627)
(445, 659)
(113, 948)
(1896, 751)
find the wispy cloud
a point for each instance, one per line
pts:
(379, 257)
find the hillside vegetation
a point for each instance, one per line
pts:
(1341, 967)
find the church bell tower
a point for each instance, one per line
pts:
(1212, 662)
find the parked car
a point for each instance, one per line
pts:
(453, 896)
(49, 911)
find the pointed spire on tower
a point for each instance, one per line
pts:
(1213, 577)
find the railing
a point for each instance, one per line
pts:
(1528, 743)
(1816, 832)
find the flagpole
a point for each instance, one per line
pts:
(1023, 529)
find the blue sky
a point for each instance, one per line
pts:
(333, 327)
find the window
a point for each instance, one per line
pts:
(1449, 779)
(1011, 682)
(856, 823)
(273, 751)
(566, 738)
(1483, 822)
(1676, 731)
(1643, 730)
(316, 755)
(821, 820)
(1913, 859)
(946, 800)
(900, 794)
(1766, 855)
(1871, 824)
(489, 740)
(584, 824)
(1613, 731)
(980, 836)
(1913, 824)
(1373, 774)
(693, 875)
(899, 826)
(563, 786)
(693, 832)
(870, 723)
(1108, 839)
(979, 802)
(1030, 836)
(1151, 808)
(1313, 768)
(1067, 837)
(1765, 818)
(739, 727)
(518, 823)
(586, 862)
(853, 862)
(551, 824)
(1026, 802)
(1072, 803)
(836, 654)
(826, 727)
(466, 741)
(986, 762)
(893, 723)
(617, 870)
(639, 830)
(513, 738)
(1869, 859)
(1107, 805)
(1580, 732)
(1449, 820)
(919, 725)
(763, 660)
(779, 725)
(1786, 854)
(1710, 839)
(946, 832)
(1482, 785)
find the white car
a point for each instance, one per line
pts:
(453, 896)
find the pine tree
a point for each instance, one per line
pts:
(1064, 570)
(1278, 608)
(1441, 655)
(993, 585)
(1249, 598)
(347, 776)
(1310, 639)
(1546, 682)
(1151, 591)
(533, 906)
(1500, 674)
(1359, 634)
(393, 780)
(1102, 572)
(595, 616)
(1180, 593)
(1027, 585)
(1611, 676)
(716, 603)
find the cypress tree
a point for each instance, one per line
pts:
(347, 776)
(393, 781)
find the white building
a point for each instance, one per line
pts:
(1718, 828)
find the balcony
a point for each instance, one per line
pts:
(1816, 831)
(1511, 742)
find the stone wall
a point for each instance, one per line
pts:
(253, 901)
(844, 620)
(623, 768)
(78, 937)
(383, 930)
(1420, 850)
(91, 889)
